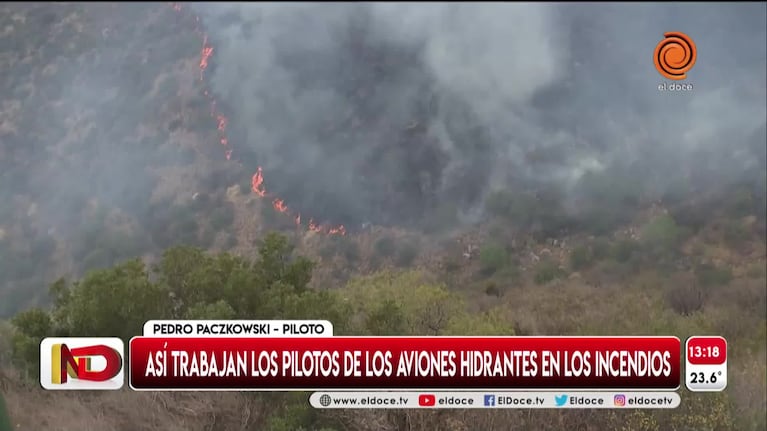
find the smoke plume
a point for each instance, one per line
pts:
(389, 112)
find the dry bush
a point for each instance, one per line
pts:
(684, 295)
(747, 295)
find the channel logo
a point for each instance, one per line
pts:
(489, 400)
(560, 400)
(675, 55)
(79, 363)
(619, 400)
(427, 400)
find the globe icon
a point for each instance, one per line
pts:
(325, 400)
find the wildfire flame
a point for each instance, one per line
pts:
(205, 54)
(279, 205)
(257, 181)
(340, 230)
(313, 227)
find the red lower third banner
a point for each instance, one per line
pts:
(399, 363)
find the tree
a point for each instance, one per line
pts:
(547, 271)
(31, 327)
(661, 236)
(408, 303)
(193, 278)
(186, 283)
(581, 258)
(276, 264)
(112, 302)
(493, 257)
(386, 318)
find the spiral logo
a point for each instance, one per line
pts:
(675, 55)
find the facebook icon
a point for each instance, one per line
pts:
(489, 400)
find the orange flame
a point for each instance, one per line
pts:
(205, 54)
(313, 227)
(279, 205)
(257, 181)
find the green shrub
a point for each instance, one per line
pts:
(547, 271)
(623, 250)
(600, 248)
(662, 235)
(581, 258)
(386, 318)
(709, 275)
(29, 329)
(492, 258)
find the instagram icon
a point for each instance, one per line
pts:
(619, 400)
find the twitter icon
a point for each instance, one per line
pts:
(560, 400)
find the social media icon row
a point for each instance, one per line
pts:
(508, 400)
(619, 400)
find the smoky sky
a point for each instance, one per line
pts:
(384, 111)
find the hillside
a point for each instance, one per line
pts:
(610, 294)
(129, 159)
(402, 170)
